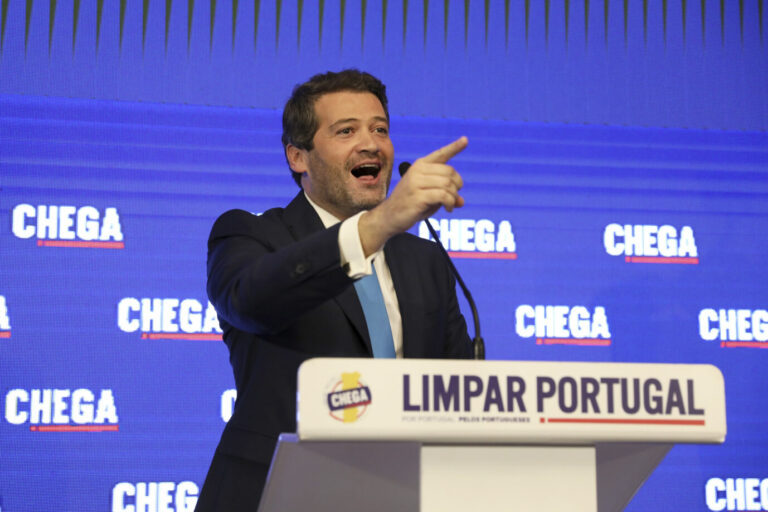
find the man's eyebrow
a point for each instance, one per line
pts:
(343, 121)
(354, 119)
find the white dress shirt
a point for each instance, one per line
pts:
(351, 250)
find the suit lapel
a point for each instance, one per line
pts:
(407, 289)
(300, 218)
(302, 221)
(350, 304)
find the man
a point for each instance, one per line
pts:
(288, 284)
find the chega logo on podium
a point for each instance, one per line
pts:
(642, 243)
(168, 319)
(745, 328)
(5, 319)
(68, 226)
(62, 410)
(563, 325)
(348, 398)
(476, 239)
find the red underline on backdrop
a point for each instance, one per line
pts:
(74, 428)
(180, 336)
(5, 334)
(625, 421)
(595, 342)
(747, 344)
(483, 255)
(661, 259)
(81, 243)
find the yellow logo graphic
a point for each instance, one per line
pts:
(349, 398)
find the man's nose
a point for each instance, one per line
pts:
(367, 142)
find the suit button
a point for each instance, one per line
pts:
(300, 269)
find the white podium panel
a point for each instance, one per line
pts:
(501, 478)
(509, 402)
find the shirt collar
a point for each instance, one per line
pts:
(326, 217)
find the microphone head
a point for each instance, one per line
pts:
(403, 167)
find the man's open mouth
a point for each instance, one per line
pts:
(366, 169)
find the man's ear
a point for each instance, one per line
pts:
(298, 159)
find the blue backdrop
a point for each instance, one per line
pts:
(617, 174)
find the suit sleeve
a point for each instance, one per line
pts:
(261, 280)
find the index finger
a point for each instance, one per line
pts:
(445, 153)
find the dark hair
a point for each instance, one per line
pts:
(299, 119)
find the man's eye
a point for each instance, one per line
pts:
(382, 130)
(344, 131)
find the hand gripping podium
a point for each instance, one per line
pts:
(437, 435)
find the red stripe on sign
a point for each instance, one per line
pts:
(626, 421)
(5, 334)
(81, 243)
(594, 342)
(180, 336)
(483, 255)
(747, 344)
(74, 428)
(661, 259)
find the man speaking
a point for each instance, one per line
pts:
(333, 274)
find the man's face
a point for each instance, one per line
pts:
(350, 166)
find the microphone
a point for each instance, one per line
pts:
(478, 343)
(403, 168)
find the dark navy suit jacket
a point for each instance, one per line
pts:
(283, 297)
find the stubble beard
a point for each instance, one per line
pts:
(330, 190)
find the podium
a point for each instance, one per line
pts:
(437, 435)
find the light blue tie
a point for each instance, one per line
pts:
(369, 293)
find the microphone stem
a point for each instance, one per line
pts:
(478, 344)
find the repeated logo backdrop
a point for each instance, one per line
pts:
(580, 242)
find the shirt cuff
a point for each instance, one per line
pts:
(353, 258)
